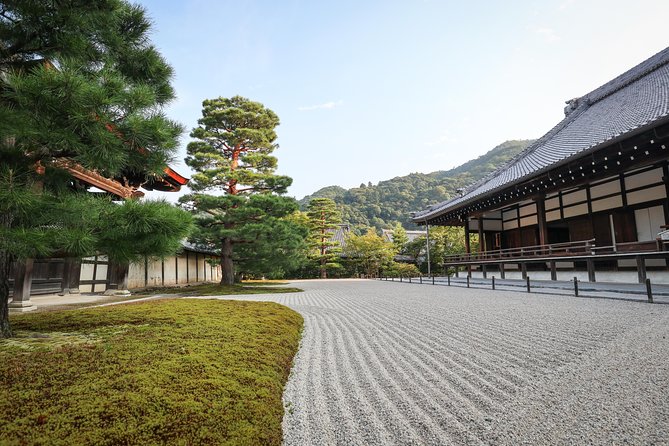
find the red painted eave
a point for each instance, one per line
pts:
(179, 179)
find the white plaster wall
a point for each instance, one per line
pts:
(182, 269)
(136, 275)
(170, 271)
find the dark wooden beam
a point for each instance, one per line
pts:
(23, 277)
(541, 220)
(641, 269)
(590, 263)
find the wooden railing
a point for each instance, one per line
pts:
(554, 249)
(577, 248)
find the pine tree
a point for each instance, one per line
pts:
(324, 218)
(232, 154)
(79, 80)
(400, 238)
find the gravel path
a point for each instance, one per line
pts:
(384, 363)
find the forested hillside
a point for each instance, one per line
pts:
(392, 200)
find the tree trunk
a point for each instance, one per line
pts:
(5, 263)
(227, 267)
(324, 274)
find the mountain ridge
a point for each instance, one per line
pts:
(391, 201)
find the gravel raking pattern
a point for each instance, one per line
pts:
(391, 364)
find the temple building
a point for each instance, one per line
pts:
(587, 199)
(97, 274)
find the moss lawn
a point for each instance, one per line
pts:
(176, 371)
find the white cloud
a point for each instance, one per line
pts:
(548, 34)
(324, 106)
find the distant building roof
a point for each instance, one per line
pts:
(631, 103)
(340, 234)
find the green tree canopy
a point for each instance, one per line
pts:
(231, 154)
(370, 252)
(79, 81)
(400, 238)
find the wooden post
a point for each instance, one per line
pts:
(493, 282)
(420, 278)
(484, 270)
(541, 219)
(553, 270)
(468, 249)
(449, 280)
(467, 281)
(523, 269)
(527, 280)
(649, 291)
(71, 276)
(117, 279)
(501, 271)
(481, 236)
(575, 286)
(641, 268)
(23, 277)
(432, 280)
(590, 263)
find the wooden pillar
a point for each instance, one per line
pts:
(162, 272)
(553, 270)
(501, 271)
(187, 269)
(23, 276)
(71, 276)
(484, 269)
(641, 269)
(117, 279)
(481, 236)
(468, 249)
(541, 219)
(590, 263)
(176, 269)
(523, 269)
(197, 268)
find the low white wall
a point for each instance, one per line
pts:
(176, 270)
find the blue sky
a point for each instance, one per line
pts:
(370, 90)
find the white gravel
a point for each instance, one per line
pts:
(385, 363)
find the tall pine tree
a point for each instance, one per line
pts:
(232, 154)
(324, 218)
(79, 81)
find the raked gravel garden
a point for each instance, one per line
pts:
(384, 363)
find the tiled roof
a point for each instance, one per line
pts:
(340, 234)
(636, 99)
